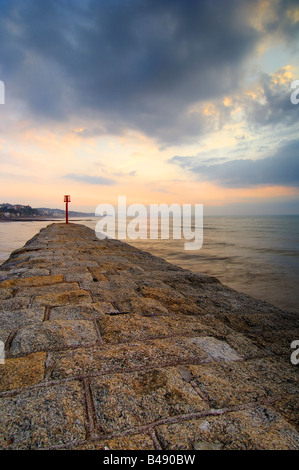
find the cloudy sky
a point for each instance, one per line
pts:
(162, 101)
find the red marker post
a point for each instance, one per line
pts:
(67, 199)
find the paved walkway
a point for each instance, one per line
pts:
(109, 347)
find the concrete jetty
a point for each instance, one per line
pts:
(109, 347)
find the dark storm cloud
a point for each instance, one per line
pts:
(273, 106)
(280, 169)
(133, 63)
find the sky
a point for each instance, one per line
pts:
(161, 101)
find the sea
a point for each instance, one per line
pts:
(256, 255)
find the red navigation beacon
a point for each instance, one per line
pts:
(67, 199)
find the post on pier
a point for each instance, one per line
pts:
(67, 199)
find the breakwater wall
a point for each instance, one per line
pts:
(109, 347)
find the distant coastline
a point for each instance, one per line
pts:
(19, 212)
(42, 219)
(29, 219)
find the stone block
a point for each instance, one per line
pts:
(123, 328)
(124, 401)
(124, 357)
(74, 297)
(78, 312)
(13, 320)
(216, 349)
(22, 372)
(56, 334)
(235, 383)
(36, 281)
(259, 428)
(43, 417)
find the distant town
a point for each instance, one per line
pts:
(19, 211)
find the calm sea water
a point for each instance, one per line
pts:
(255, 255)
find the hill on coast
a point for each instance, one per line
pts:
(8, 211)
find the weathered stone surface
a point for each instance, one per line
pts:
(12, 320)
(36, 281)
(56, 334)
(288, 407)
(232, 383)
(125, 356)
(216, 349)
(12, 304)
(257, 428)
(108, 347)
(122, 328)
(81, 312)
(126, 400)
(5, 292)
(22, 372)
(98, 274)
(42, 417)
(73, 297)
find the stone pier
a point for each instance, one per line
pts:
(109, 347)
